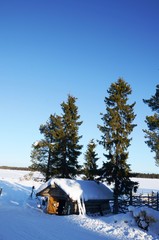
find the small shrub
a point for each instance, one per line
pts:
(143, 216)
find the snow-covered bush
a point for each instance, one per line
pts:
(27, 176)
(146, 218)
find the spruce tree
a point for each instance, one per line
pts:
(45, 152)
(117, 126)
(90, 166)
(57, 153)
(152, 134)
(69, 146)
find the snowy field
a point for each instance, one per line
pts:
(20, 218)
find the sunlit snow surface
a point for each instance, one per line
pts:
(20, 218)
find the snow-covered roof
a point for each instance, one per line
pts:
(75, 189)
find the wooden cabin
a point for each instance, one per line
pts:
(67, 196)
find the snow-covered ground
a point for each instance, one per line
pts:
(147, 185)
(20, 218)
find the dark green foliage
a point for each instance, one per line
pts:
(44, 153)
(117, 126)
(152, 134)
(56, 154)
(90, 166)
(69, 144)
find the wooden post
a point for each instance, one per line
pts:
(157, 202)
(130, 202)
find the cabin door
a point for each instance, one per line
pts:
(52, 206)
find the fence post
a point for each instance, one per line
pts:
(130, 202)
(157, 202)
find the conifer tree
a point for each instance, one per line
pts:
(70, 149)
(152, 134)
(117, 126)
(57, 154)
(90, 166)
(45, 152)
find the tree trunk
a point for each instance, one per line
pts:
(116, 205)
(116, 195)
(48, 166)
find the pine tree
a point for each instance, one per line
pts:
(152, 134)
(69, 146)
(90, 166)
(117, 126)
(45, 152)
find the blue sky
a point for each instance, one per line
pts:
(52, 48)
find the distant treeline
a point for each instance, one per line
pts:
(135, 175)
(145, 175)
(15, 168)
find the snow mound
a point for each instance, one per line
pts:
(146, 218)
